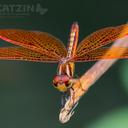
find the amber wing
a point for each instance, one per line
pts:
(100, 38)
(104, 53)
(23, 54)
(43, 43)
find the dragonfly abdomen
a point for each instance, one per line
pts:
(73, 39)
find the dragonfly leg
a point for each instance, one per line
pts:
(72, 110)
(72, 94)
(81, 86)
(75, 80)
(65, 96)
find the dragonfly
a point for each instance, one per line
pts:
(39, 46)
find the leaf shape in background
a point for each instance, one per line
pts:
(123, 72)
(114, 119)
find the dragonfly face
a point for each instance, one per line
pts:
(62, 82)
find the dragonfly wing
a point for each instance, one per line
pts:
(23, 54)
(103, 53)
(40, 42)
(101, 38)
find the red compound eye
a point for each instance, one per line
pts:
(65, 78)
(61, 79)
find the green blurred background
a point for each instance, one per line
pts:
(27, 98)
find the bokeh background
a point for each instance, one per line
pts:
(27, 98)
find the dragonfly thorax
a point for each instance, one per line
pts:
(62, 82)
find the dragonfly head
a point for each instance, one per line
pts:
(62, 82)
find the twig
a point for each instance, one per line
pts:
(88, 79)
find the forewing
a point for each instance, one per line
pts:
(101, 38)
(103, 53)
(40, 42)
(23, 54)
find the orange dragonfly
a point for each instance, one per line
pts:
(42, 47)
